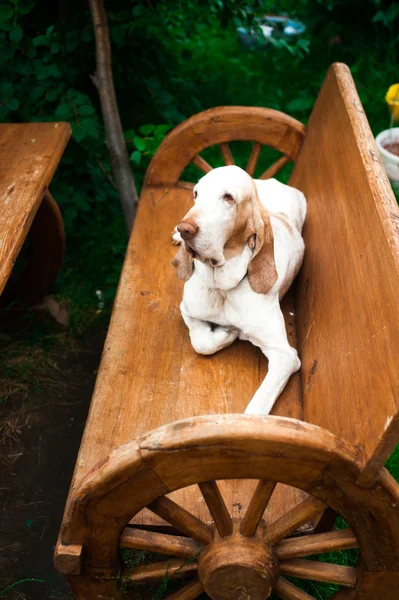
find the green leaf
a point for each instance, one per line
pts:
(16, 34)
(6, 12)
(139, 143)
(25, 6)
(146, 129)
(55, 71)
(13, 103)
(135, 157)
(78, 132)
(86, 110)
(300, 104)
(40, 40)
(62, 110)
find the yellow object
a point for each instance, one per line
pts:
(392, 99)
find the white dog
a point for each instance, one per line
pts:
(241, 250)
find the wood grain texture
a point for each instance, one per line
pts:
(253, 158)
(190, 591)
(29, 155)
(217, 507)
(288, 591)
(170, 569)
(202, 164)
(319, 571)
(275, 167)
(181, 519)
(347, 299)
(216, 126)
(226, 153)
(159, 542)
(44, 257)
(293, 519)
(257, 507)
(316, 544)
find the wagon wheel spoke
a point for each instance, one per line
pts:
(189, 592)
(185, 185)
(318, 543)
(288, 591)
(170, 569)
(226, 153)
(182, 519)
(201, 163)
(253, 159)
(275, 167)
(217, 507)
(291, 521)
(159, 542)
(257, 507)
(317, 571)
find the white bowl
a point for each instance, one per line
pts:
(391, 161)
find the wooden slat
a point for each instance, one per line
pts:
(319, 571)
(217, 507)
(316, 544)
(183, 520)
(159, 542)
(171, 569)
(190, 591)
(257, 507)
(253, 158)
(29, 155)
(347, 298)
(275, 167)
(201, 163)
(292, 520)
(226, 153)
(288, 591)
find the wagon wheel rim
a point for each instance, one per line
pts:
(208, 553)
(223, 447)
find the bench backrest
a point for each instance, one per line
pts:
(348, 290)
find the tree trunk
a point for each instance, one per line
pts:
(113, 129)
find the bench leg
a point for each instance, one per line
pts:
(47, 240)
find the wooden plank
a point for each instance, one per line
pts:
(29, 155)
(347, 299)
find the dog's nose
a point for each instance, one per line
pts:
(187, 229)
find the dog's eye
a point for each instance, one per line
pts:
(195, 193)
(229, 198)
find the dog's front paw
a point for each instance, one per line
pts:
(176, 237)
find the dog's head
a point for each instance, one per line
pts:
(227, 214)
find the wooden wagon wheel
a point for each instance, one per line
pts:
(241, 559)
(219, 126)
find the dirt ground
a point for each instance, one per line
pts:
(40, 433)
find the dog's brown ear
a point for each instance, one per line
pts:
(262, 274)
(184, 263)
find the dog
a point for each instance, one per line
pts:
(240, 249)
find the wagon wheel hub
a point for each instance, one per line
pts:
(236, 567)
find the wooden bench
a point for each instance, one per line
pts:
(165, 423)
(29, 156)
